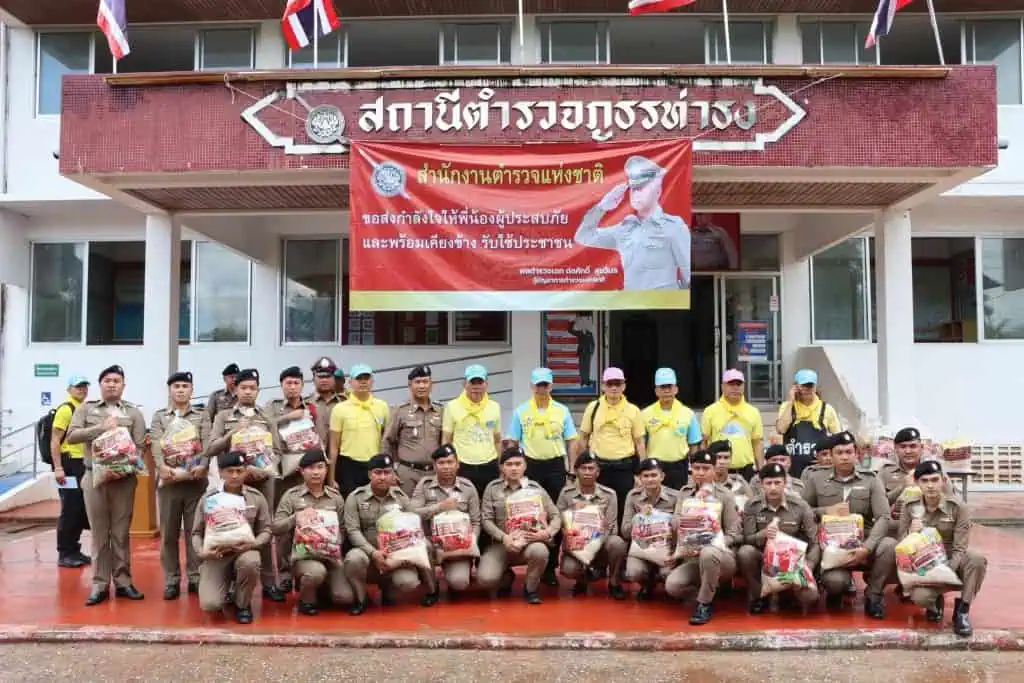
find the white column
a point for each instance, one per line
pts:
(794, 303)
(15, 255)
(271, 50)
(530, 53)
(894, 293)
(163, 287)
(526, 343)
(787, 47)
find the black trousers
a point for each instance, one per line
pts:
(350, 474)
(480, 475)
(550, 474)
(676, 474)
(73, 519)
(747, 471)
(618, 475)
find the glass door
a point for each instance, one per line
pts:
(747, 332)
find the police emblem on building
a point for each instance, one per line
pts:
(325, 124)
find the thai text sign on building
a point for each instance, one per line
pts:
(530, 227)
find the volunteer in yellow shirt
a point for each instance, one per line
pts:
(68, 465)
(472, 423)
(613, 430)
(673, 431)
(356, 428)
(733, 419)
(804, 420)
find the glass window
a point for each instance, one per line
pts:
(839, 292)
(998, 42)
(945, 302)
(574, 42)
(836, 42)
(116, 293)
(330, 48)
(393, 42)
(160, 49)
(911, 42)
(221, 294)
(749, 42)
(225, 49)
(60, 54)
(185, 294)
(58, 272)
(477, 43)
(1002, 271)
(759, 252)
(311, 269)
(481, 326)
(656, 39)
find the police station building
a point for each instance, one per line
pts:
(854, 208)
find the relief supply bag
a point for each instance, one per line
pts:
(400, 537)
(317, 535)
(839, 536)
(524, 511)
(453, 535)
(298, 436)
(258, 445)
(583, 532)
(700, 526)
(115, 456)
(921, 561)
(785, 565)
(181, 445)
(226, 524)
(652, 537)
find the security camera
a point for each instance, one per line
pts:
(56, 155)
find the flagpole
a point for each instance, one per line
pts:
(725, 25)
(316, 36)
(935, 30)
(522, 42)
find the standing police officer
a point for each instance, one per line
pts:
(325, 393)
(222, 399)
(414, 430)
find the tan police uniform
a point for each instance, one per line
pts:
(362, 510)
(220, 440)
(109, 506)
(796, 518)
(497, 558)
(242, 569)
(952, 519)
(713, 566)
(219, 400)
(613, 548)
(793, 485)
(738, 486)
(426, 501)
(812, 470)
(312, 574)
(412, 435)
(637, 501)
(324, 405)
(177, 501)
(866, 497)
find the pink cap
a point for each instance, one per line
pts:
(613, 374)
(732, 375)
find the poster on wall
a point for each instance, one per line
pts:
(752, 341)
(716, 241)
(570, 350)
(547, 227)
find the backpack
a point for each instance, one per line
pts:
(44, 430)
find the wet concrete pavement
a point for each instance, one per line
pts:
(227, 664)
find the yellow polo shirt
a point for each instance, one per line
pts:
(613, 431)
(473, 435)
(670, 432)
(61, 421)
(361, 426)
(811, 413)
(740, 424)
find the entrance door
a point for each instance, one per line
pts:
(747, 326)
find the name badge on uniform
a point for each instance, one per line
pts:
(365, 505)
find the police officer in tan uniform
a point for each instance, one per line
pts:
(775, 508)
(713, 565)
(414, 430)
(241, 565)
(325, 394)
(222, 399)
(244, 413)
(441, 491)
(310, 495)
(365, 562)
(822, 458)
(737, 485)
(519, 547)
(842, 490)
(778, 454)
(651, 493)
(110, 506)
(586, 491)
(183, 478)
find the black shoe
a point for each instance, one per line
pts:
(193, 587)
(701, 614)
(286, 585)
(430, 599)
(596, 573)
(874, 607)
(834, 602)
(646, 593)
(549, 578)
(506, 584)
(307, 608)
(82, 556)
(70, 562)
(961, 621)
(358, 607)
(243, 615)
(273, 593)
(97, 596)
(531, 597)
(129, 592)
(579, 588)
(616, 592)
(759, 606)
(172, 592)
(935, 611)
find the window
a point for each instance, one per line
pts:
(116, 293)
(311, 270)
(999, 43)
(393, 42)
(160, 49)
(945, 303)
(912, 41)
(481, 326)
(749, 42)
(759, 252)
(836, 42)
(1002, 270)
(58, 274)
(226, 49)
(839, 287)
(657, 40)
(60, 54)
(221, 294)
(476, 43)
(574, 42)
(331, 51)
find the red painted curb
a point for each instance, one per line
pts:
(895, 639)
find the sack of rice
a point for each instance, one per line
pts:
(226, 524)
(652, 537)
(524, 511)
(700, 525)
(452, 532)
(583, 532)
(400, 537)
(317, 535)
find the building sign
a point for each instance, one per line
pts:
(47, 370)
(752, 341)
(570, 351)
(528, 227)
(718, 114)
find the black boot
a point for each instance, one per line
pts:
(308, 609)
(758, 606)
(701, 614)
(273, 593)
(935, 611)
(531, 597)
(874, 606)
(961, 621)
(549, 578)
(358, 607)
(430, 599)
(579, 588)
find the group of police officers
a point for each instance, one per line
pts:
(427, 458)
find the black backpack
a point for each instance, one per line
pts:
(44, 430)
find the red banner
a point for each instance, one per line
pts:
(534, 227)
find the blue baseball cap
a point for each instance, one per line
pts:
(359, 370)
(664, 376)
(806, 376)
(541, 376)
(77, 381)
(476, 372)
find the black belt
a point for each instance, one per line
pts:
(418, 466)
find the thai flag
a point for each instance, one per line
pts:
(300, 18)
(882, 23)
(113, 21)
(652, 6)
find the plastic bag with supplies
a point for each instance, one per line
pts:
(453, 535)
(785, 564)
(400, 537)
(921, 561)
(317, 535)
(298, 437)
(652, 536)
(700, 525)
(258, 445)
(115, 456)
(226, 524)
(181, 445)
(524, 511)
(839, 536)
(583, 532)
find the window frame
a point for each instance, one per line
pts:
(201, 45)
(767, 34)
(821, 42)
(601, 26)
(968, 38)
(867, 278)
(39, 64)
(979, 281)
(453, 341)
(342, 54)
(503, 28)
(194, 322)
(282, 290)
(83, 293)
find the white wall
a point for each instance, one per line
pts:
(1008, 178)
